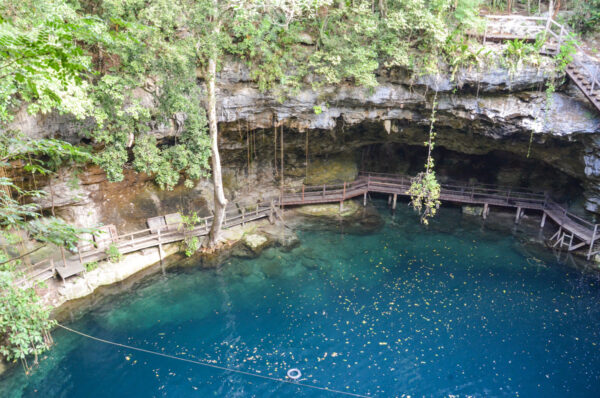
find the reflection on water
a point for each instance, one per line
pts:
(447, 310)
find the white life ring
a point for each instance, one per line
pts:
(294, 374)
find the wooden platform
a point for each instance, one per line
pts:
(72, 268)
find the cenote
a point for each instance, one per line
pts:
(452, 309)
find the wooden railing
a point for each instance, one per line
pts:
(168, 233)
(521, 198)
(37, 272)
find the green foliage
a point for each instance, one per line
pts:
(585, 16)
(190, 244)
(565, 54)
(519, 53)
(39, 156)
(92, 265)
(152, 84)
(24, 321)
(113, 253)
(424, 194)
(39, 60)
(461, 53)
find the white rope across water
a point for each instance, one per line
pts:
(209, 365)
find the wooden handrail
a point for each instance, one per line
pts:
(367, 181)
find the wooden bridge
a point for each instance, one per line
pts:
(584, 70)
(573, 231)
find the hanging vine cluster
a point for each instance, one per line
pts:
(424, 189)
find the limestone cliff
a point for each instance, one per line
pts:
(490, 112)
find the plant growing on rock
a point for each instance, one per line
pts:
(191, 244)
(113, 253)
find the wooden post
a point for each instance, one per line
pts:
(365, 199)
(518, 215)
(592, 241)
(543, 220)
(62, 253)
(79, 253)
(343, 197)
(550, 11)
(485, 211)
(323, 190)
(302, 193)
(394, 201)
(560, 38)
(243, 217)
(485, 33)
(160, 248)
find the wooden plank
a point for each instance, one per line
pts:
(174, 221)
(71, 268)
(155, 223)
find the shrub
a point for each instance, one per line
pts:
(113, 254)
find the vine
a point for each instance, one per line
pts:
(424, 189)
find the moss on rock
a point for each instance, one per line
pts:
(334, 169)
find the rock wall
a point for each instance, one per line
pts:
(330, 133)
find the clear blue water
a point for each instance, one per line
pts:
(451, 309)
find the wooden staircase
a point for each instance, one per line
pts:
(587, 83)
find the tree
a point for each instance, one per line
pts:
(42, 68)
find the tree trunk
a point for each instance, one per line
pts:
(220, 200)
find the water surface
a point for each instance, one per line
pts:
(452, 309)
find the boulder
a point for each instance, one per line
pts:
(255, 242)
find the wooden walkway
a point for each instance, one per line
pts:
(573, 231)
(584, 70)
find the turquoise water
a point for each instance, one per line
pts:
(452, 309)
